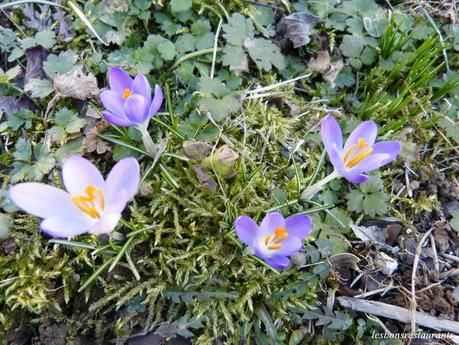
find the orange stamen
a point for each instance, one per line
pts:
(354, 156)
(86, 203)
(274, 243)
(126, 93)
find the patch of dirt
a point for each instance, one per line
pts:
(51, 334)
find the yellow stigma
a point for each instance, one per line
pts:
(274, 243)
(126, 93)
(87, 203)
(354, 155)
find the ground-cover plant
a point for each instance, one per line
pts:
(236, 141)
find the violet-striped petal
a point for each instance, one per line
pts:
(118, 120)
(135, 108)
(355, 177)
(157, 101)
(272, 221)
(125, 175)
(366, 130)
(142, 87)
(67, 224)
(39, 199)
(392, 148)
(79, 173)
(119, 80)
(113, 102)
(246, 229)
(298, 225)
(331, 133)
(278, 262)
(372, 162)
(290, 246)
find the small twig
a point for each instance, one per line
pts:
(435, 256)
(413, 279)
(398, 313)
(214, 55)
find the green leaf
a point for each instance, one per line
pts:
(213, 87)
(45, 38)
(5, 226)
(39, 88)
(238, 29)
(66, 122)
(454, 222)
(219, 109)
(185, 43)
(19, 119)
(352, 45)
(26, 168)
(265, 54)
(236, 59)
(369, 198)
(59, 64)
(180, 5)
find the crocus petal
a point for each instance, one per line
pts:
(372, 162)
(118, 120)
(118, 203)
(331, 133)
(40, 200)
(113, 102)
(135, 108)
(335, 158)
(119, 80)
(392, 148)
(142, 87)
(366, 130)
(106, 224)
(246, 229)
(355, 177)
(125, 175)
(157, 101)
(78, 173)
(298, 225)
(278, 262)
(273, 220)
(67, 224)
(290, 246)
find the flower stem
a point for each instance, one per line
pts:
(150, 146)
(309, 192)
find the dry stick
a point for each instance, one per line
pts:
(398, 313)
(413, 279)
(214, 55)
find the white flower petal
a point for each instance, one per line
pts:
(125, 175)
(78, 173)
(106, 224)
(67, 224)
(40, 200)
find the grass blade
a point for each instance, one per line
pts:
(86, 21)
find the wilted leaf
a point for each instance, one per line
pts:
(296, 27)
(196, 150)
(206, 182)
(321, 63)
(222, 161)
(76, 84)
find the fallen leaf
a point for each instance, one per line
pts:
(296, 27)
(76, 84)
(222, 161)
(333, 72)
(206, 182)
(196, 150)
(321, 63)
(35, 57)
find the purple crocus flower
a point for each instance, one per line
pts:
(360, 153)
(128, 101)
(90, 203)
(276, 238)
